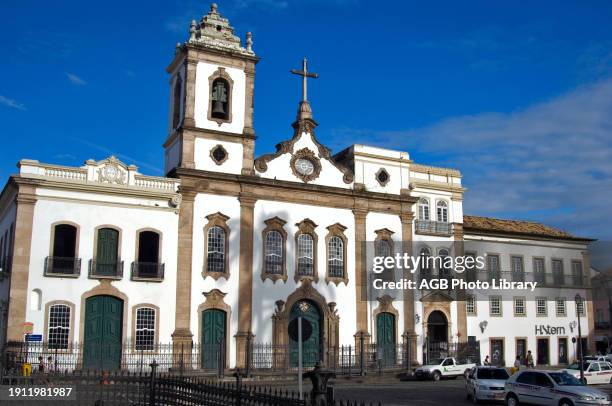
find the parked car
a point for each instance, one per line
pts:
(443, 368)
(486, 383)
(595, 372)
(602, 358)
(550, 388)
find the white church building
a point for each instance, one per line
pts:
(228, 248)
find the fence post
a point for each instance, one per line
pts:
(221, 359)
(238, 377)
(361, 354)
(153, 366)
(319, 396)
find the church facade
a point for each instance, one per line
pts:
(231, 248)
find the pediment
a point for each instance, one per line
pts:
(304, 159)
(436, 297)
(110, 170)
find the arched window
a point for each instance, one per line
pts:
(216, 235)
(444, 270)
(63, 255)
(273, 249)
(423, 209)
(145, 328)
(58, 330)
(383, 247)
(442, 211)
(305, 255)
(176, 105)
(335, 257)
(215, 261)
(220, 99)
(425, 264)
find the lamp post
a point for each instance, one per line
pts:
(578, 300)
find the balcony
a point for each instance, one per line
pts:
(105, 270)
(64, 267)
(433, 227)
(147, 271)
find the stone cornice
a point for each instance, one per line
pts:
(207, 133)
(271, 189)
(446, 187)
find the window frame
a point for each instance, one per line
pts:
(442, 204)
(557, 301)
(384, 235)
(307, 227)
(76, 247)
(220, 220)
(135, 310)
(545, 299)
(501, 311)
(424, 206)
(524, 304)
(71, 326)
(336, 231)
(274, 224)
(177, 101)
(472, 299)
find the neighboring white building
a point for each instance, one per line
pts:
(231, 248)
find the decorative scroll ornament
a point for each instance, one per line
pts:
(111, 172)
(305, 165)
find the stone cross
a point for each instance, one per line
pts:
(304, 74)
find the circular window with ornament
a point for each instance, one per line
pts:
(305, 165)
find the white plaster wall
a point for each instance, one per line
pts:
(266, 293)
(280, 167)
(203, 161)
(7, 220)
(89, 215)
(369, 168)
(204, 205)
(202, 94)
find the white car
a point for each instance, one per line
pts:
(486, 383)
(443, 368)
(550, 388)
(595, 372)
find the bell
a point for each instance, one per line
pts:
(218, 107)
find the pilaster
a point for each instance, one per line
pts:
(24, 221)
(586, 267)
(406, 219)
(182, 335)
(461, 311)
(361, 277)
(245, 279)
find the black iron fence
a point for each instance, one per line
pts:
(152, 388)
(468, 352)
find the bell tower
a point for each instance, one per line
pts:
(212, 80)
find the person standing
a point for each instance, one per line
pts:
(530, 363)
(486, 361)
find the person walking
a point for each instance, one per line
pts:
(486, 361)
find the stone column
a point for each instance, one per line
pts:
(461, 312)
(187, 138)
(361, 277)
(248, 141)
(245, 279)
(182, 335)
(24, 219)
(586, 280)
(409, 335)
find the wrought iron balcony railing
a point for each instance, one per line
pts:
(433, 227)
(105, 270)
(62, 266)
(151, 271)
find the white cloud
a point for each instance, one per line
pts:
(11, 103)
(550, 162)
(75, 80)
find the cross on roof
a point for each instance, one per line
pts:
(304, 74)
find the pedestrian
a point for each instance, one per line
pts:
(41, 365)
(486, 361)
(530, 363)
(50, 364)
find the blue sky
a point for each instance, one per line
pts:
(517, 95)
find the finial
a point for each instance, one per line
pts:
(213, 8)
(192, 30)
(249, 42)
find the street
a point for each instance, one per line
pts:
(417, 393)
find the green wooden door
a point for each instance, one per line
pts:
(106, 255)
(311, 345)
(103, 332)
(385, 338)
(213, 339)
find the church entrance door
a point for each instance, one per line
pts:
(385, 338)
(213, 339)
(437, 335)
(311, 333)
(103, 332)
